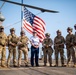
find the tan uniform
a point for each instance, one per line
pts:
(69, 47)
(47, 50)
(3, 41)
(12, 39)
(22, 47)
(74, 47)
(59, 46)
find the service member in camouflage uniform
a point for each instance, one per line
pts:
(73, 52)
(3, 42)
(59, 47)
(70, 46)
(12, 43)
(47, 49)
(23, 47)
(74, 48)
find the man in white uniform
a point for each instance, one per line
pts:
(34, 49)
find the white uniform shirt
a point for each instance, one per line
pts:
(35, 40)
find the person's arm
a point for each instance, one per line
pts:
(31, 41)
(51, 42)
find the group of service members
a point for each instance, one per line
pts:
(59, 43)
(21, 42)
(13, 42)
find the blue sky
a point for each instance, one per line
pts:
(54, 21)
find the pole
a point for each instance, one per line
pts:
(21, 15)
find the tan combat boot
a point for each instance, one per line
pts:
(19, 65)
(50, 65)
(15, 66)
(56, 65)
(4, 66)
(63, 65)
(26, 65)
(67, 65)
(74, 65)
(8, 66)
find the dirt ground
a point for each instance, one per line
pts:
(41, 70)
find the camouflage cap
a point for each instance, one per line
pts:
(1, 27)
(12, 29)
(69, 28)
(47, 34)
(58, 31)
(22, 32)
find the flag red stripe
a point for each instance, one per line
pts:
(40, 23)
(28, 24)
(41, 20)
(38, 30)
(27, 29)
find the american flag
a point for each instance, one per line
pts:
(32, 23)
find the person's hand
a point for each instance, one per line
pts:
(13, 44)
(36, 46)
(32, 44)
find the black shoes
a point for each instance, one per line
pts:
(37, 65)
(56, 65)
(32, 65)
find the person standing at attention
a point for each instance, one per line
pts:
(34, 48)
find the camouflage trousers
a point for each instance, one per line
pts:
(61, 51)
(47, 52)
(71, 53)
(3, 55)
(12, 53)
(25, 52)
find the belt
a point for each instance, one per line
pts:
(36, 45)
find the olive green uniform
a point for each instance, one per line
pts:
(59, 48)
(3, 42)
(22, 47)
(69, 46)
(47, 50)
(12, 39)
(74, 47)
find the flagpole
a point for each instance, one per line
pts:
(21, 15)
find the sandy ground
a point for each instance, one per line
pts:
(41, 70)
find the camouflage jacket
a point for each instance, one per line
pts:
(12, 39)
(74, 40)
(59, 42)
(23, 41)
(3, 39)
(47, 42)
(69, 40)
